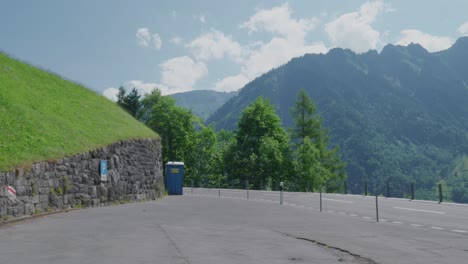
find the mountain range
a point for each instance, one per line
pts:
(399, 116)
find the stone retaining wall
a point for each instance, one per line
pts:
(134, 173)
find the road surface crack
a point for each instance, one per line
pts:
(179, 252)
(357, 259)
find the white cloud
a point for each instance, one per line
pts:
(143, 88)
(200, 18)
(215, 45)
(354, 30)
(430, 42)
(231, 83)
(463, 29)
(278, 20)
(276, 53)
(288, 42)
(145, 38)
(176, 40)
(111, 93)
(182, 73)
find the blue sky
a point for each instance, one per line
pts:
(187, 45)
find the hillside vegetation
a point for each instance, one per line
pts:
(44, 117)
(399, 116)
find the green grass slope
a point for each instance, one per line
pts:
(44, 117)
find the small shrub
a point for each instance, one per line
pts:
(59, 190)
(6, 217)
(49, 210)
(77, 205)
(33, 189)
(37, 211)
(66, 184)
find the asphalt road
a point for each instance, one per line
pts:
(448, 217)
(201, 227)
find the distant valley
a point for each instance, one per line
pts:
(203, 103)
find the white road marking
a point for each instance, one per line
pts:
(342, 213)
(366, 217)
(416, 225)
(459, 231)
(419, 210)
(437, 228)
(330, 211)
(383, 220)
(354, 215)
(334, 200)
(397, 222)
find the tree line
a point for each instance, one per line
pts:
(260, 151)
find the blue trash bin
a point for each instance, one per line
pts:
(174, 177)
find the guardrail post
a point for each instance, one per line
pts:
(219, 187)
(281, 192)
(365, 188)
(377, 207)
(247, 187)
(388, 189)
(320, 199)
(440, 193)
(191, 182)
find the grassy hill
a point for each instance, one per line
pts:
(44, 117)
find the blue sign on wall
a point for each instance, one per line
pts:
(103, 169)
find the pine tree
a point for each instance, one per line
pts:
(308, 127)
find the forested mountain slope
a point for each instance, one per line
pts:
(399, 116)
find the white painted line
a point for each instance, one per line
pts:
(437, 228)
(416, 225)
(383, 220)
(330, 211)
(342, 213)
(418, 210)
(366, 217)
(459, 231)
(334, 200)
(354, 215)
(396, 222)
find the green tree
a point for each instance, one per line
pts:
(258, 123)
(313, 174)
(130, 102)
(174, 124)
(202, 157)
(307, 121)
(308, 127)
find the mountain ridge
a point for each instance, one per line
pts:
(400, 98)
